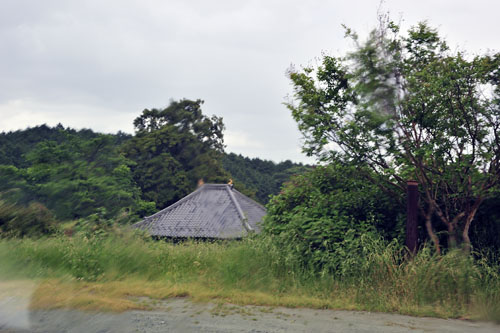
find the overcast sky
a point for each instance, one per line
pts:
(97, 64)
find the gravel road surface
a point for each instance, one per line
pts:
(182, 315)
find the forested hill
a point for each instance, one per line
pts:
(73, 173)
(81, 173)
(264, 177)
(15, 145)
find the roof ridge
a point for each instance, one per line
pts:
(238, 209)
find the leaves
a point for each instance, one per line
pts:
(408, 108)
(74, 175)
(173, 148)
(317, 210)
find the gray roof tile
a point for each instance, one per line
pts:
(212, 211)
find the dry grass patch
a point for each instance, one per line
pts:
(119, 296)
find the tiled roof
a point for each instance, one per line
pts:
(212, 211)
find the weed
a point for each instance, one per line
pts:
(106, 272)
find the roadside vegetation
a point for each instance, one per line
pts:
(112, 272)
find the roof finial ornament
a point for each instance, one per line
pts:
(230, 183)
(200, 182)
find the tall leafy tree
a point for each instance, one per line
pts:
(409, 108)
(173, 148)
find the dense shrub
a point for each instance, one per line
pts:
(485, 233)
(20, 221)
(323, 209)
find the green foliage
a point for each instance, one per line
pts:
(33, 220)
(145, 208)
(319, 213)
(76, 178)
(74, 173)
(15, 145)
(408, 108)
(173, 148)
(263, 177)
(13, 184)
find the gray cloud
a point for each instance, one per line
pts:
(97, 64)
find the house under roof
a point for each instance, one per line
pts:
(212, 211)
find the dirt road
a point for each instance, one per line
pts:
(181, 315)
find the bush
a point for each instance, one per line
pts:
(20, 221)
(327, 208)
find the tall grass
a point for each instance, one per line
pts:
(256, 270)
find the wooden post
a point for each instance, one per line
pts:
(412, 216)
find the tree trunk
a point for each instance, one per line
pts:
(468, 222)
(452, 237)
(412, 216)
(430, 232)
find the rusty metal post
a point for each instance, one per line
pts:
(412, 216)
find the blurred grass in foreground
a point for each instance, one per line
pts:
(109, 273)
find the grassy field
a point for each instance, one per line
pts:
(113, 273)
